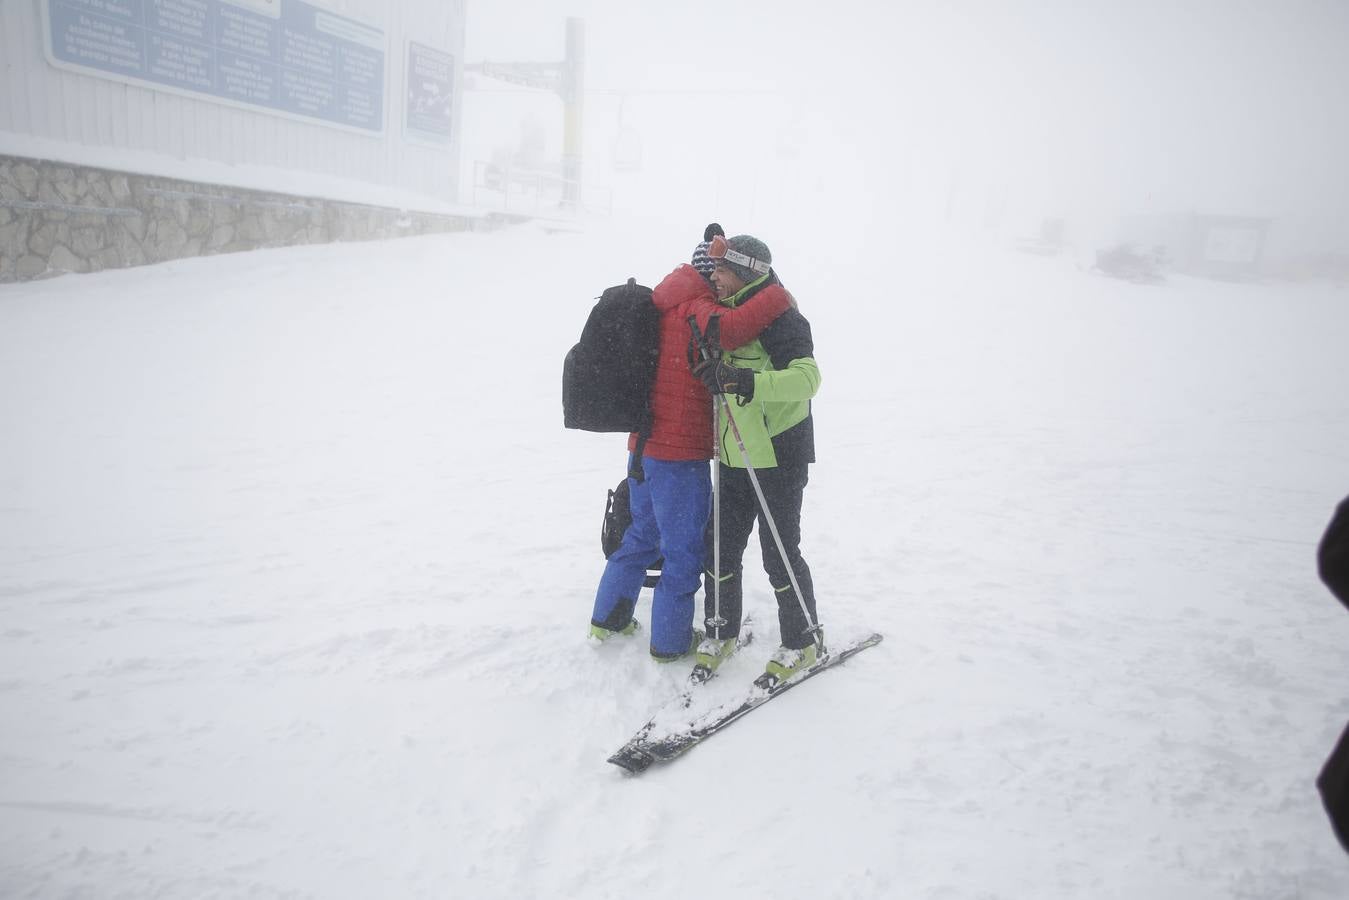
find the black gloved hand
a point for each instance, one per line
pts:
(723, 378)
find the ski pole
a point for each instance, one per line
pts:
(719, 400)
(717, 620)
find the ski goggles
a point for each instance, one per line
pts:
(719, 251)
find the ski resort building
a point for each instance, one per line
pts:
(134, 131)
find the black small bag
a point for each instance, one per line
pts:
(617, 518)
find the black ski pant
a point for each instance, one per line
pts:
(783, 487)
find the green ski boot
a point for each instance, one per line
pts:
(599, 634)
(694, 641)
(785, 664)
(712, 652)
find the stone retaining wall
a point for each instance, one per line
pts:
(57, 218)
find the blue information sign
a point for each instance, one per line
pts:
(284, 56)
(430, 93)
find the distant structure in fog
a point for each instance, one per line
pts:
(566, 79)
(1214, 246)
(135, 132)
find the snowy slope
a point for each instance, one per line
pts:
(296, 562)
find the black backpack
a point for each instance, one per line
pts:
(606, 386)
(607, 376)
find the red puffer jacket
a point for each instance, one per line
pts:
(680, 406)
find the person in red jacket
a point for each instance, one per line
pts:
(671, 503)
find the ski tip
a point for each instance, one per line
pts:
(633, 760)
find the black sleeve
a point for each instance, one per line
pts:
(787, 338)
(1332, 557)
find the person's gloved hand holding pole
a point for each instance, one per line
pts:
(721, 377)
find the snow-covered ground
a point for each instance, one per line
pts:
(296, 563)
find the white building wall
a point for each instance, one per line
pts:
(61, 107)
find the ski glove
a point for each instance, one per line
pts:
(723, 378)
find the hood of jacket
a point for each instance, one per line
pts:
(681, 286)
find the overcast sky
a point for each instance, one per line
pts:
(1069, 107)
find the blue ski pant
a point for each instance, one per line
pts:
(669, 514)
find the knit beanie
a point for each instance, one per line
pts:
(750, 246)
(701, 261)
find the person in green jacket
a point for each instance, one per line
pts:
(767, 386)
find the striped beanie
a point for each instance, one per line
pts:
(701, 261)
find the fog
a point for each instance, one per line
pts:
(297, 559)
(981, 117)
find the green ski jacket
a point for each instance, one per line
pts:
(776, 424)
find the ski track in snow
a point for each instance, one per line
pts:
(297, 562)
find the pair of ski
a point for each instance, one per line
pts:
(653, 743)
